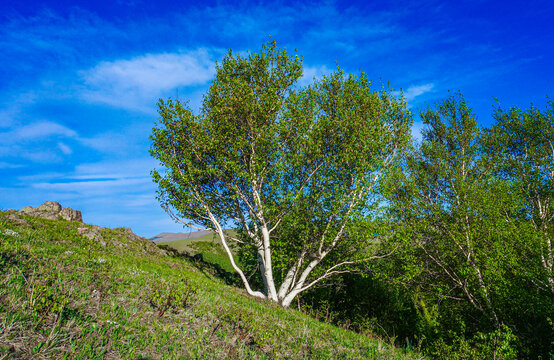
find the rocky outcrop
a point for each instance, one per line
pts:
(15, 218)
(71, 215)
(54, 211)
(51, 206)
(93, 233)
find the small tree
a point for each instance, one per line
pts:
(294, 169)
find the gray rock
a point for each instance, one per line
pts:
(29, 210)
(94, 234)
(53, 210)
(17, 219)
(48, 215)
(71, 215)
(51, 206)
(83, 231)
(33, 211)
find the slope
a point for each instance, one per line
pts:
(109, 294)
(167, 236)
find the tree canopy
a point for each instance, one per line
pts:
(294, 169)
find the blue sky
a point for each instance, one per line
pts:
(79, 81)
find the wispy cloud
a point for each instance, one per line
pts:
(41, 141)
(138, 82)
(35, 131)
(343, 28)
(64, 148)
(95, 187)
(110, 193)
(111, 172)
(49, 39)
(414, 91)
(42, 129)
(6, 165)
(125, 141)
(41, 156)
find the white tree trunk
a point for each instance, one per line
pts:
(268, 270)
(289, 297)
(221, 234)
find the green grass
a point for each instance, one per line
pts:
(210, 248)
(222, 260)
(63, 295)
(191, 245)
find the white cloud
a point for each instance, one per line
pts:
(36, 142)
(5, 118)
(106, 179)
(311, 72)
(414, 91)
(40, 156)
(28, 179)
(64, 148)
(35, 131)
(142, 201)
(113, 143)
(45, 140)
(137, 83)
(110, 178)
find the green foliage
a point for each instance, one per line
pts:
(366, 304)
(498, 344)
(206, 246)
(450, 214)
(168, 297)
(469, 216)
(522, 143)
(295, 170)
(46, 297)
(207, 152)
(221, 260)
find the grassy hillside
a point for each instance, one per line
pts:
(115, 295)
(197, 244)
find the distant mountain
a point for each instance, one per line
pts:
(166, 236)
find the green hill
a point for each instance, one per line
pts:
(109, 294)
(209, 246)
(199, 244)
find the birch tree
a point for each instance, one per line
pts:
(295, 169)
(523, 142)
(456, 216)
